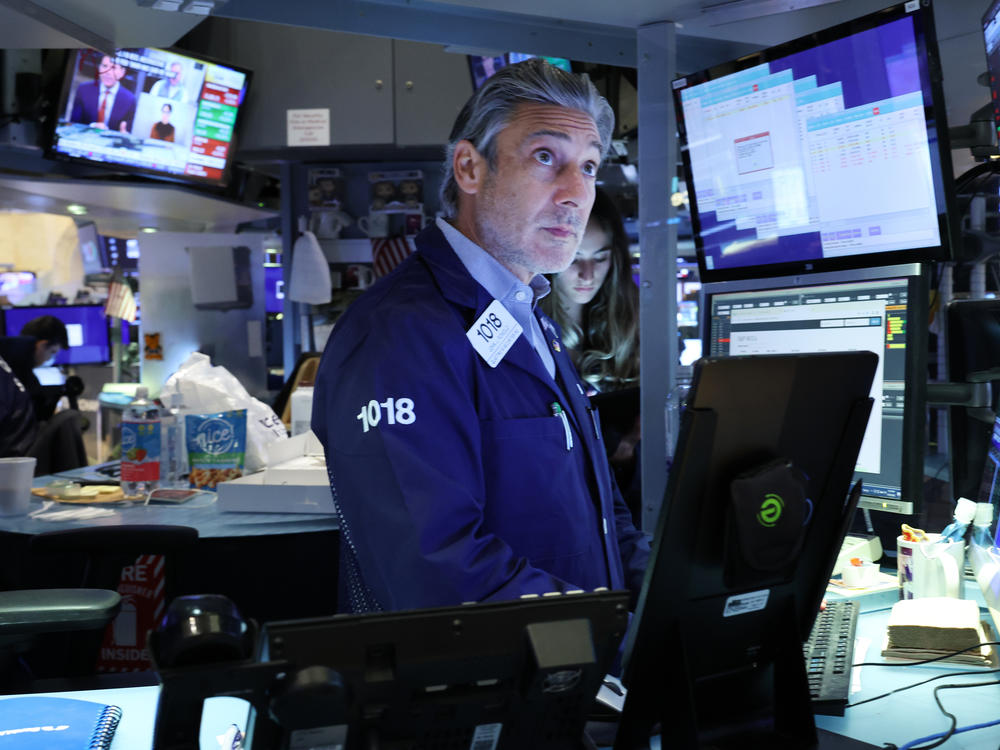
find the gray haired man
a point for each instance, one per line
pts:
(465, 459)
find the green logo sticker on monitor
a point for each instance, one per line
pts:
(770, 510)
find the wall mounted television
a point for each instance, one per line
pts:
(827, 152)
(157, 112)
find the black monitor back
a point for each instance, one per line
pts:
(502, 675)
(716, 654)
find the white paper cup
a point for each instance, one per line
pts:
(15, 485)
(930, 568)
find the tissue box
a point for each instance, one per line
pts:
(294, 481)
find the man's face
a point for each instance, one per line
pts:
(532, 209)
(109, 71)
(45, 350)
(176, 70)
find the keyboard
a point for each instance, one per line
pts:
(828, 654)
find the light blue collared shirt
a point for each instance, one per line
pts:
(504, 286)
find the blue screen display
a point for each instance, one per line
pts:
(86, 329)
(822, 153)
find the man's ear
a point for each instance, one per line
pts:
(469, 166)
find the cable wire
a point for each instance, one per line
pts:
(942, 737)
(918, 684)
(926, 661)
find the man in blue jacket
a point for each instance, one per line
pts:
(465, 459)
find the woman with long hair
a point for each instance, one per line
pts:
(596, 303)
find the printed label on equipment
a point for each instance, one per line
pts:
(741, 604)
(486, 737)
(494, 333)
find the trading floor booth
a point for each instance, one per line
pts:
(818, 174)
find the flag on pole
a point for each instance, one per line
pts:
(389, 252)
(121, 301)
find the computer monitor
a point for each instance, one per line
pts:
(883, 310)
(122, 253)
(91, 249)
(830, 151)
(755, 511)
(512, 675)
(86, 329)
(17, 284)
(274, 289)
(991, 37)
(170, 115)
(483, 66)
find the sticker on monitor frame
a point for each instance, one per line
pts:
(741, 604)
(486, 737)
(911, 6)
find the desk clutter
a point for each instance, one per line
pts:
(933, 627)
(49, 723)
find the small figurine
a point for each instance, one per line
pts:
(409, 190)
(383, 193)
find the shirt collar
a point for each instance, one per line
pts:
(491, 274)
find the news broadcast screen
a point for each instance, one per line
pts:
(150, 110)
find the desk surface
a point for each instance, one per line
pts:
(200, 512)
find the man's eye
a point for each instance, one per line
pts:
(544, 157)
(590, 169)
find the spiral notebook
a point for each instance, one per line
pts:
(38, 722)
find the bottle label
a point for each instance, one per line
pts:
(140, 452)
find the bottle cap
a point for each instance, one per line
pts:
(965, 510)
(984, 514)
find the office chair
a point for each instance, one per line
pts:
(93, 558)
(59, 445)
(24, 615)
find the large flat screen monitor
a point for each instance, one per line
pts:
(86, 329)
(92, 250)
(756, 507)
(826, 152)
(154, 111)
(883, 310)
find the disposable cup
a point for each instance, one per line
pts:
(15, 485)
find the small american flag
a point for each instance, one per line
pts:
(121, 301)
(389, 252)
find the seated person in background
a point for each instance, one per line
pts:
(18, 426)
(105, 103)
(55, 439)
(465, 471)
(596, 304)
(48, 338)
(163, 130)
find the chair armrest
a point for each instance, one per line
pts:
(50, 610)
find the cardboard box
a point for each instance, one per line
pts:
(295, 481)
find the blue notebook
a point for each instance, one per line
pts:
(39, 722)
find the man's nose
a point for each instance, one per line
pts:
(574, 187)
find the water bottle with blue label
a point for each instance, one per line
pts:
(140, 471)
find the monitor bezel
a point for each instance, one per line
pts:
(915, 368)
(50, 308)
(941, 163)
(992, 14)
(69, 70)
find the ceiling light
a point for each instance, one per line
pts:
(76, 209)
(148, 230)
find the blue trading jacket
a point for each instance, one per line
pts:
(453, 479)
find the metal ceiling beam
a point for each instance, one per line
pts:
(86, 37)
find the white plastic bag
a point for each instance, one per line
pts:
(207, 388)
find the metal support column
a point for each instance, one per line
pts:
(656, 48)
(290, 325)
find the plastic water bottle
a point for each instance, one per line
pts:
(301, 400)
(140, 445)
(174, 463)
(981, 525)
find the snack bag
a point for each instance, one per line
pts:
(216, 445)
